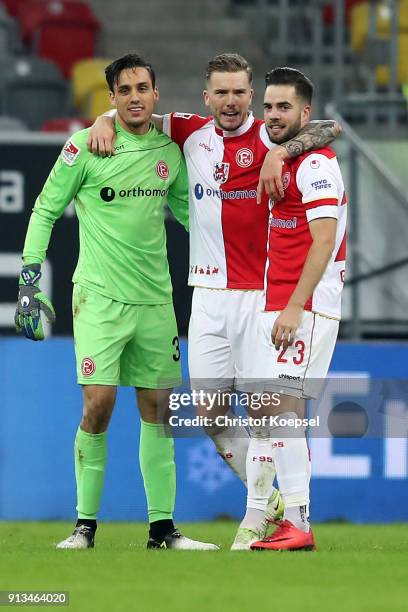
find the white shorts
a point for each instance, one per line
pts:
(222, 336)
(299, 370)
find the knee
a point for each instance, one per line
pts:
(97, 411)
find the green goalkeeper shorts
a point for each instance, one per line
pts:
(124, 344)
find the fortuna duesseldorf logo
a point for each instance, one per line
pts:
(162, 169)
(88, 366)
(221, 172)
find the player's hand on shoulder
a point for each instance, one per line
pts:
(31, 304)
(270, 177)
(286, 325)
(102, 136)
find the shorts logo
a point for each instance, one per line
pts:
(88, 367)
(315, 164)
(221, 171)
(286, 180)
(162, 169)
(70, 152)
(244, 158)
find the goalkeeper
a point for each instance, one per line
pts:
(124, 325)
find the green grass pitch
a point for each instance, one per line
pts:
(356, 569)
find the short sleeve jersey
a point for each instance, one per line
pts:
(228, 230)
(119, 202)
(313, 190)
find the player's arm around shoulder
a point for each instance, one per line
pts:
(315, 135)
(178, 190)
(101, 137)
(102, 134)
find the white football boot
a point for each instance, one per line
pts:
(82, 537)
(176, 541)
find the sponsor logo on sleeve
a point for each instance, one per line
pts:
(70, 152)
(315, 164)
(244, 158)
(221, 172)
(322, 184)
(162, 169)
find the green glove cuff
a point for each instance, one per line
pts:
(30, 275)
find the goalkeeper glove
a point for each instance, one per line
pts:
(31, 302)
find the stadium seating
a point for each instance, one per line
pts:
(66, 124)
(359, 35)
(329, 11)
(11, 124)
(31, 89)
(63, 31)
(13, 6)
(383, 72)
(90, 91)
(10, 42)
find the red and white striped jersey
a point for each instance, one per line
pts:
(228, 230)
(313, 189)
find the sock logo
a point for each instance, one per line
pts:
(227, 455)
(303, 514)
(262, 459)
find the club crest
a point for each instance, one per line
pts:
(221, 171)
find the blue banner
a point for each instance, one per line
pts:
(356, 479)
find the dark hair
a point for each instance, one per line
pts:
(228, 62)
(131, 60)
(290, 76)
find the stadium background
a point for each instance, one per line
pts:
(51, 53)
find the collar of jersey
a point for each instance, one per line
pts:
(239, 131)
(139, 138)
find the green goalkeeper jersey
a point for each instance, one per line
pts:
(119, 202)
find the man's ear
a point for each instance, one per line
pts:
(112, 98)
(306, 114)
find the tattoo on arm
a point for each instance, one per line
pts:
(313, 136)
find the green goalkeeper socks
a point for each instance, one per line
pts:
(90, 461)
(156, 457)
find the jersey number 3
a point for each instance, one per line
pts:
(176, 344)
